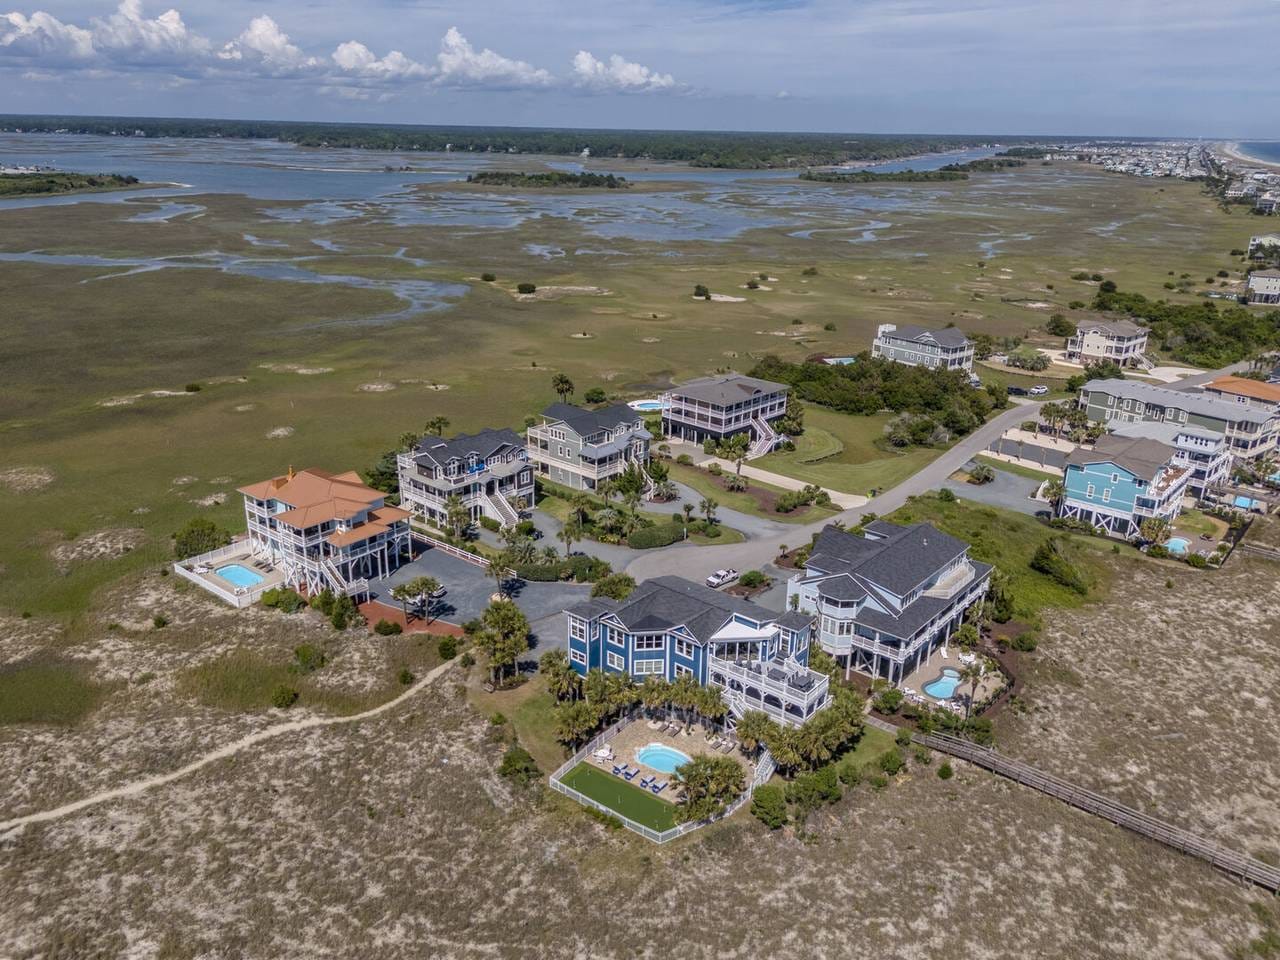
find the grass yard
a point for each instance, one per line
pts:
(756, 500)
(1016, 469)
(870, 746)
(47, 691)
(1194, 521)
(847, 453)
(624, 798)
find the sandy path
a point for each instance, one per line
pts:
(230, 750)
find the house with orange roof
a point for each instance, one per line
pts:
(1250, 393)
(325, 530)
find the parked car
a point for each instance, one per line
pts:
(722, 577)
(1017, 391)
(437, 594)
(1039, 390)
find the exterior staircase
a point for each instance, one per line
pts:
(505, 513)
(650, 488)
(1145, 362)
(766, 439)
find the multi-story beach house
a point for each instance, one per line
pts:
(946, 349)
(1253, 393)
(670, 627)
(1202, 451)
(1261, 244)
(715, 408)
(325, 530)
(1121, 341)
(1264, 286)
(1250, 432)
(886, 600)
(1122, 482)
(488, 471)
(577, 448)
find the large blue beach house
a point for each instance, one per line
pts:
(1122, 482)
(670, 627)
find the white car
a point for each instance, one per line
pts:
(722, 577)
(1039, 390)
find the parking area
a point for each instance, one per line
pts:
(470, 587)
(1007, 490)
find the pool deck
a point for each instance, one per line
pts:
(931, 671)
(639, 734)
(220, 585)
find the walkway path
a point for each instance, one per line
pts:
(222, 753)
(696, 562)
(846, 500)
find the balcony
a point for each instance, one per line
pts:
(952, 582)
(783, 689)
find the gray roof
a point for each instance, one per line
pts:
(795, 620)
(1268, 274)
(1163, 431)
(1115, 328)
(727, 390)
(915, 615)
(665, 602)
(1141, 456)
(484, 444)
(945, 337)
(1198, 403)
(586, 422)
(894, 558)
(594, 607)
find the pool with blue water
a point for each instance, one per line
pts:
(661, 757)
(944, 687)
(1178, 545)
(238, 575)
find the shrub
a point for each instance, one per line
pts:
(284, 697)
(879, 782)
(946, 496)
(753, 284)
(1050, 559)
(769, 806)
(159, 621)
(850, 775)
(448, 648)
(526, 288)
(617, 586)
(1060, 326)
(488, 277)
(387, 628)
(467, 661)
(945, 772)
(753, 578)
(405, 676)
(490, 524)
(903, 737)
(1024, 642)
(701, 292)
(809, 272)
(888, 701)
(684, 459)
(283, 599)
(1156, 551)
(1197, 561)
(659, 535)
(595, 395)
(192, 388)
(343, 613)
(891, 761)
(709, 447)
(199, 535)
(323, 601)
(829, 326)
(715, 469)
(307, 658)
(518, 765)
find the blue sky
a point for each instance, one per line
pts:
(967, 66)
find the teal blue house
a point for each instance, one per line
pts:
(1122, 482)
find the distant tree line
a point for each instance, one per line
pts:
(985, 165)
(511, 178)
(34, 184)
(740, 150)
(895, 176)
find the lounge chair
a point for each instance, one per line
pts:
(658, 787)
(630, 775)
(726, 747)
(645, 781)
(673, 729)
(620, 768)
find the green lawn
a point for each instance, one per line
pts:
(846, 453)
(744, 501)
(51, 691)
(624, 798)
(1193, 521)
(552, 503)
(870, 746)
(1016, 468)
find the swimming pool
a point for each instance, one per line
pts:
(1244, 503)
(240, 576)
(647, 406)
(1178, 545)
(943, 687)
(661, 757)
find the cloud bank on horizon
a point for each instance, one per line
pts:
(996, 66)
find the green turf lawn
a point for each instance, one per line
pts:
(1194, 521)
(1016, 468)
(868, 749)
(622, 797)
(744, 501)
(845, 452)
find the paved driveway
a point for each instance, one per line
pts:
(469, 588)
(1008, 491)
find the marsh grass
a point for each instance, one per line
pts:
(48, 691)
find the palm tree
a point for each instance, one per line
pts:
(404, 595)
(688, 509)
(972, 675)
(1054, 491)
(655, 693)
(684, 695)
(574, 722)
(580, 506)
(596, 686)
(499, 569)
(752, 730)
(710, 703)
(569, 534)
(1155, 530)
(606, 489)
(436, 426)
(457, 515)
(562, 385)
(421, 589)
(735, 450)
(708, 507)
(665, 490)
(562, 679)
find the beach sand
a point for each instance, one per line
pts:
(1233, 151)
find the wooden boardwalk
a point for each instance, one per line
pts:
(1227, 860)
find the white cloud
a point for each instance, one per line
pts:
(264, 44)
(619, 75)
(459, 64)
(357, 59)
(130, 37)
(44, 37)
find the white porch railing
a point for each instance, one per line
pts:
(450, 549)
(240, 600)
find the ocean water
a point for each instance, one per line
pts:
(1268, 150)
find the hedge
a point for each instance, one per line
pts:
(659, 535)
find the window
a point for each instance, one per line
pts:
(645, 667)
(684, 647)
(652, 642)
(577, 629)
(1106, 495)
(1115, 478)
(1089, 492)
(682, 670)
(616, 662)
(577, 656)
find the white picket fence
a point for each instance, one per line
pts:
(239, 600)
(764, 770)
